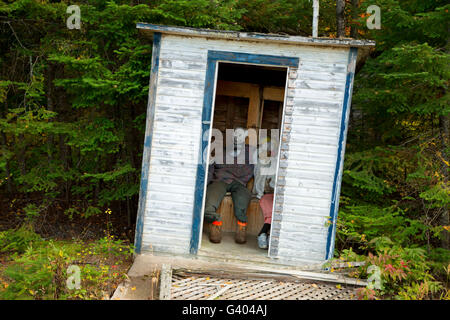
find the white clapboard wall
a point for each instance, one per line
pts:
(311, 127)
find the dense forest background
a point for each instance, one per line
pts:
(73, 102)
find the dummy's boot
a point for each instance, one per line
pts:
(262, 241)
(241, 233)
(215, 232)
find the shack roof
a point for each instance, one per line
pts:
(149, 29)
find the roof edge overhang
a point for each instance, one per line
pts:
(148, 29)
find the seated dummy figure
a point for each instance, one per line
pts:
(230, 176)
(265, 170)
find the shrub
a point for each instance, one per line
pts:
(404, 273)
(18, 240)
(107, 245)
(38, 274)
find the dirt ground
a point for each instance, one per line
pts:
(53, 223)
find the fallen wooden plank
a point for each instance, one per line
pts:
(165, 282)
(269, 273)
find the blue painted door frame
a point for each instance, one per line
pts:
(340, 153)
(213, 58)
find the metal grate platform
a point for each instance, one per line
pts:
(210, 288)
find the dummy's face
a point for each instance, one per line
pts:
(239, 136)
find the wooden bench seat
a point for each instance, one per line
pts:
(254, 215)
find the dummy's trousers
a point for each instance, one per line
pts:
(215, 192)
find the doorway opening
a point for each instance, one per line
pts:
(250, 97)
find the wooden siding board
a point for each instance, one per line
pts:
(163, 195)
(156, 245)
(170, 180)
(182, 84)
(178, 101)
(307, 165)
(301, 215)
(304, 209)
(173, 207)
(321, 76)
(181, 64)
(180, 189)
(169, 229)
(165, 90)
(308, 156)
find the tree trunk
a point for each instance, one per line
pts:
(354, 30)
(340, 18)
(50, 107)
(4, 111)
(7, 171)
(444, 128)
(21, 155)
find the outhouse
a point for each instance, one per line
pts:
(203, 79)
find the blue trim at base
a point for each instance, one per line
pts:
(213, 58)
(340, 154)
(147, 142)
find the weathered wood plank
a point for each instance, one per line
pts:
(182, 64)
(254, 108)
(235, 89)
(273, 93)
(182, 74)
(165, 282)
(180, 101)
(166, 244)
(180, 92)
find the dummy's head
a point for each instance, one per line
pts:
(239, 135)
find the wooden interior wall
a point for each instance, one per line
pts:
(230, 112)
(271, 115)
(247, 105)
(239, 104)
